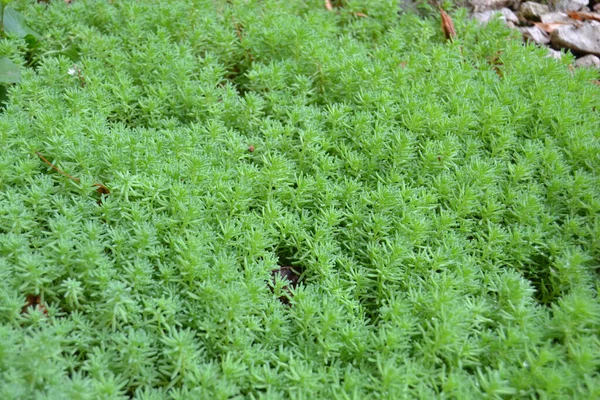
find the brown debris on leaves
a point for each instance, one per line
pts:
(496, 63)
(292, 274)
(101, 189)
(76, 71)
(447, 25)
(330, 6)
(238, 31)
(551, 26)
(34, 301)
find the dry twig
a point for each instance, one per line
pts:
(100, 187)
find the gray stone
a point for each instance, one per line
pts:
(509, 15)
(408, 6)
(589, 61)
(556, 17)
(535, 34)
(582, 39)
(533, 11)
(486, 16)
(506, 15)
(486, 5)
(569, 5)
(554, 54)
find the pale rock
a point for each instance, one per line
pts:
(509, 16)
(486, 5)
(533, 11)
(506, 15)
(554, 54)
(557, 17)
(535, 34)
(581, 39)
(569, 5)
(589, 61)
(406, 6)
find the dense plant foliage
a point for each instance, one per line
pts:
(441, 200)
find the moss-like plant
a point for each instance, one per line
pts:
(439, 200)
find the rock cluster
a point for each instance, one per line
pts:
(572, 25)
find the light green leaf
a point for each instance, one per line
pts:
(9, 71)
(14, 24)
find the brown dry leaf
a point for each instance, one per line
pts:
(582, 16)
(359, 14)
(551, 26)
(328, 5)
(447, 25)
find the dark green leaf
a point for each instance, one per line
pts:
(9, 71)
(32, 41)
(72, 52)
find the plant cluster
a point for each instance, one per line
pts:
(441, 200)
(13, 25)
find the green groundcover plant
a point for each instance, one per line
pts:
(440, 199)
